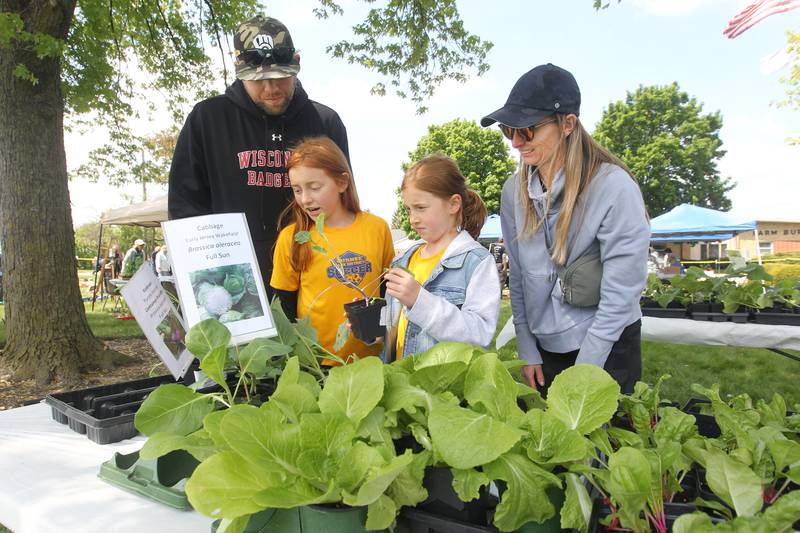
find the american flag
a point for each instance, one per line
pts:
(755, 13)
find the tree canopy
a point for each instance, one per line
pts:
(670, 145)
(481, 155)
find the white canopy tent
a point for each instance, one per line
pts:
(148, 214)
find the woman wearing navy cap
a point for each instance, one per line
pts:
(576, 235)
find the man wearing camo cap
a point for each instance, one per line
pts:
(232, 150)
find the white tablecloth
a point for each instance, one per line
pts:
(49, 483)
(686, 331)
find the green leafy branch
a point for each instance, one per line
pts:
(12, 32)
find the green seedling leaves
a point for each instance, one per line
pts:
(226, 485)
(378, 480)
(206, 337)
(525, 499)
(199, 444)
(490, 387)
(629, 484)
(460, 436)
(381, 513)
(286, 332)
(735, 483)
(342, 334)
(173, 408)
(443, 367)
(577, 508)
(255, 357)
(354, 389)
(584, 397)
(302, 237)
(786, 454)
(213, 364)
(551, 441)
(320, 224)
(467, 483)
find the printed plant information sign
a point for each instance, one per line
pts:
(159, 320)
(217, 276)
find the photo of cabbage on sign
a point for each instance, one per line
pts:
(217, 275)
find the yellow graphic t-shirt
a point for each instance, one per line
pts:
(422, 267)
(364, 249)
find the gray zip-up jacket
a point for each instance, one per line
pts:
(610, 216)
(460, 301)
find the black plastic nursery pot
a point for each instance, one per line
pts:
(740, 316)
(365, 319)
(778, 315)
(672, 511)
(673, 310)
(443, 501)
(706, 424)
(709, 312)
(688, 491)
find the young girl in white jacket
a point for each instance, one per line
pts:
(447, 288)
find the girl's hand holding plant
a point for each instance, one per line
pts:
(401, 284)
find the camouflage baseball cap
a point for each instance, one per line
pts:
(264, 50)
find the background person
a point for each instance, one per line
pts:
(163, 266)
(133, 260)
(450, 291)
(232, 151)
(570, 199)
(304, 280)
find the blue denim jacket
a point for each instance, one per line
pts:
(449, 280)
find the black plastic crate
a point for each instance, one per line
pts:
(776, 319)
(412, 520)
(672, 511)
(105, 413)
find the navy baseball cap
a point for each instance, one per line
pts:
(541, 92)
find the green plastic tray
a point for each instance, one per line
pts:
(162, 480)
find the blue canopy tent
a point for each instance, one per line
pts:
(690, 223)
(491, 229)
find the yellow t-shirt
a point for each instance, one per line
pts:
(422, 267)
(364, 247)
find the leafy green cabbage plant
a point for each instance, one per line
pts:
(459, 403)
(308, 445)
(176, 416)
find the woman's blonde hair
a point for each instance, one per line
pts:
(324, 154)
(440, 176)
(582, 157)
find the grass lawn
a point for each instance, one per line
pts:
(103, 324)
(754, 371)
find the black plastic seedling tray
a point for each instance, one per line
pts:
(105, 413)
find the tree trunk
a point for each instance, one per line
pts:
(47, 332)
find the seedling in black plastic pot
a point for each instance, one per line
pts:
(363, 314)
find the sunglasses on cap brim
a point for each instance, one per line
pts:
(525, 133)
(280, 55)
